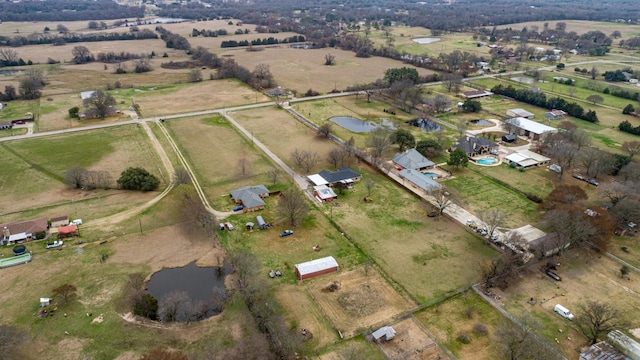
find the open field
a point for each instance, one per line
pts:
(478, 193)
(448, 319)
(301, 69)
(354, 347)
(585, 276)
(411, 342)
(536, 181)
(363, 301)
(111, 150)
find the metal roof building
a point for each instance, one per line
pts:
(316, 267)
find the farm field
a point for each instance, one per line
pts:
(582, 272)
(110, 150)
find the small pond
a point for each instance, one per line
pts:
(8, 72)
(360, 126)
(426, 125)
(201, 284)
(523, 79)
(481, 122)
(425, 40)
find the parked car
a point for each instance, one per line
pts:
(238, 208)
(76, 222)
(494, 238)
(553, 275)
(286, 233)
(229, 226)
(563, 311)
(578, 177)
(593, 182)
(55, 244)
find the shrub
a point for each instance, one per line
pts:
(470, 311)
(138, 179)
(534, 198)
(464, 338)
(74, 111)
(480, 329)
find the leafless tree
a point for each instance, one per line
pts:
(626, 210)
(181, 176)
(596, 319)
(262, 76)
(195, 217)
(337, 156)
(101, 102)
(292, 207)
(142, 65)
(75, 176)
(442, 200)
(564, 154)
(369, 184)
(493, 219)
(580, 138)
(378, 142)
(615, 191)
(594, 72)
(64, 293)
(501, 271)
(517, 341)
(8, 55)
(120, 68)
(273, 173)
(461, 126)
(512, 126)
(329, 59)
(595, 99)
(571, 226)
(81, 54)
(305, 159)
(631, 147)
(195, 75)
(350, 146)
(452, 81)
(62, 29)
(243, 167)
(631, 172)
(175, 306)
(324, 130)
(596, 161)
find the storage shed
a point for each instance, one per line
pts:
(316, 267)
(386, 332)
(520, 113)
(261, 223)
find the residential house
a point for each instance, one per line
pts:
(324, 193)
(531, 129)
(419, 180)
(412, 159)
(250, 197)
(344, 176)
(526, 159)
(555, 114)
(509, 138)
(520, 113)
(474, 146)
(22, 230)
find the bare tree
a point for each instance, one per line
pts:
(580, 138)
(273, 173)
(626, 210)
(175, 306)
(442, 200)
(595, 319)
(461, 126)
(262, 76)
(493, 219)
(501, 271)
(564, 154)
(243, 167)
(81, 54)
(452, 81)
(594, 72)
(195, 217)
(75, 177)
(369, 184)
(631, 147)
(570, 225)
(337, 156)
(631, 172)
(595, 99)
(31, 83)
(62, 29)
(64, 293)
(292, 207)
(329, 59)
(350, 146)
(100, 102)
(195, 75)
(181, 176)
(324, 130)
(512, 126)
(378, 141)
(142, 65)
(305, 159)
(8, 55)
(517, 341)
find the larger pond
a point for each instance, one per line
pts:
(360, 126)
(203, 286)
(425, 40)
(426, 125)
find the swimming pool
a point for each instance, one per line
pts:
(431, 175)
(486, 161)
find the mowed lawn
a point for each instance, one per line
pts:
(477, 193)
(536, 181)
(44, 162)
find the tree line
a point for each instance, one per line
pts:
(67, 10)
(172, 40)
(265, 41)
(64, 38)
(540, 99)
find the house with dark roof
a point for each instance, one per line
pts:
(475, 94)
(250, 197)
(474, 146)
(344, 176)
(412, 159)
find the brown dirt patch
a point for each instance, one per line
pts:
(411, 342)
(348, 315)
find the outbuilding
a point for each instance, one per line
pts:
(261, 223)
(529, 128)
(520, 113)
(324, 193)
(316, 267)
(386, 333)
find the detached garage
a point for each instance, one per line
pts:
(316, 267)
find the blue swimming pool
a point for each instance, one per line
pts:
(431, 175)
(486, 161)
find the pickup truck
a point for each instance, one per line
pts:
(55, 244)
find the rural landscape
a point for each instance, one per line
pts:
(319, 180)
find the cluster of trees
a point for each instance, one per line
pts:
(617, 75)
(138, 179)
(114, 57)
(172, 40)
(209, 33)
(65, 38)
(81, 178)
(31, 84)
(260, 77)
(9, 57)
(627, 127)
(540, 99)
(67, 10)
(265, 41)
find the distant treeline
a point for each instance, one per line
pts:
(67, 10)
(173, 41)
(208, 33)
(268, 41)
(61, 39)
(540, 99)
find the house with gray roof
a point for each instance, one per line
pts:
(344, 176)
(412, 159)
(420, 180)
(474, 146)
(251, 197)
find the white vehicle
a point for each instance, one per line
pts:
(76, 222)
(55, 244)
(563, 311)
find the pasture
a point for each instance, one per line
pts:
(111, 150)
